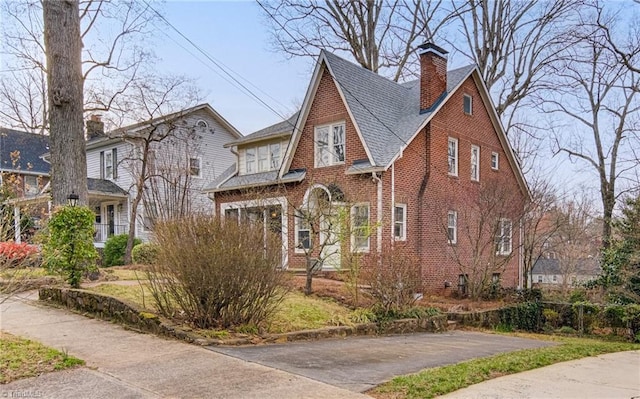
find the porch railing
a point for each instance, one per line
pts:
(104, 231)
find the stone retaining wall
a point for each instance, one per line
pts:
(110, 308)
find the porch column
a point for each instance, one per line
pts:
(16, 224)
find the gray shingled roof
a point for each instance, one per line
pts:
(279, 129)
(27, 149)
(104, 186)
(258, 179)
(586, 267)
(387, 113)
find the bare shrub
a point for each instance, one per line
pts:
(216, 275)
(394, 277)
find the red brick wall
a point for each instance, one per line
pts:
(421, 181)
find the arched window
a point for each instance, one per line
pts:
(201, 123)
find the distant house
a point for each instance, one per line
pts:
(188, 160)
(556, 272)
(404, 157)
(23, 171)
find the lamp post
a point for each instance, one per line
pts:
(72, 199)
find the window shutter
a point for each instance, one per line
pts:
(115, 162)
(102, 164)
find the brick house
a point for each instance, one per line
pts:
(409, 160)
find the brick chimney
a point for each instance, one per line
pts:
(433, 75)
(95, 127)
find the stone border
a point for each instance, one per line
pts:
(109, 308)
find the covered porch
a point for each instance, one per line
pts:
(109, 202)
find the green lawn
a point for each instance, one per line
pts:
(441, 380)
(20, 358)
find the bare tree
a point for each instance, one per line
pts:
(540, 223)
(64, 83)
(158, 161)
(111, 34)
(601, 97)
(480, 231)
(513, 43)
(573, 242)
(380, 35)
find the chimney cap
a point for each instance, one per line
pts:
(429, 47)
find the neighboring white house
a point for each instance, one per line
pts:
(188, 159)
(549, 271)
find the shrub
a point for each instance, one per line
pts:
(614, 317)
(145, 253)
(68, 248)
(585, 315)
(215, 275)
(18, 255)
(551, 318)
(523, 316)
(394, 278)
(632, 319)
(115, 248)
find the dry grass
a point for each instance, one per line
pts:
(21, 358)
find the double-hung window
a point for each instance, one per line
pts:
(303, 231)
(495, 161)
(452, 152)
(360, 228)
(329, 144)
(467, 104)
(452, 227)
(274, 150)
(250, 160)
(109, 164)
(475, 163)
(400, 222)
(503, 237)
(195, 167)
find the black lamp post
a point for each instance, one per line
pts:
(72, 199)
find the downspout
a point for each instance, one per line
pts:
(377, 179)
(17, 235)
(521, 257)
(393, 201)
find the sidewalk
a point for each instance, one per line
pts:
(611, 376)
(125, 364)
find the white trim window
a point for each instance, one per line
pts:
(467, 104)
(250, 160)
(452, 156)
(329, 142)
(195, 167)
(201, 123)
(262, 158)
(360, 231)
(504, 237)
(495, 161)
(452, 227)
(109, 164)
(303, 232)
(400, 222)
(475, 163)
(31, 186)
(274, 152)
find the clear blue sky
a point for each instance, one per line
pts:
(234, 33)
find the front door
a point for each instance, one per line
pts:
(109, 219)
(330, 240)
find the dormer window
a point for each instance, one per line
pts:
(329, 145)
(262, 158)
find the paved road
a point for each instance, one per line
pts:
(125, 364)
(361, 363)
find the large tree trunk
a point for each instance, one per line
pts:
(64, 78)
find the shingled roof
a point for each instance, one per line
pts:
(22, 151)
(387, 113)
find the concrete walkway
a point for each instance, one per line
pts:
(125, 364)
(610, 376)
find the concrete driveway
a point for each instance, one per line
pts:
(361, 363)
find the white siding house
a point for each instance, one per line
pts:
(195, 161)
